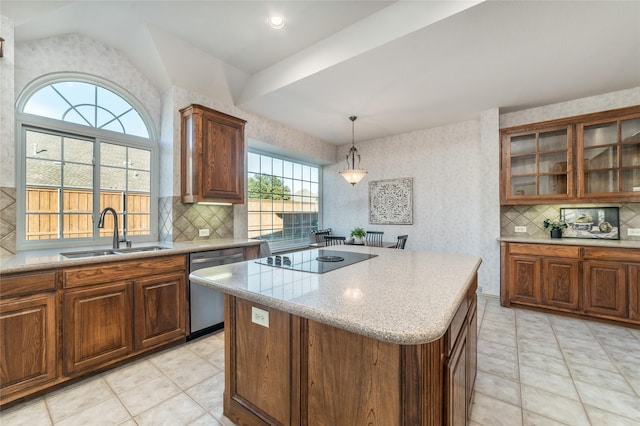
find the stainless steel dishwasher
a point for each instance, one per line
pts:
(206, 305)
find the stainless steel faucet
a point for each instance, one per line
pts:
(116, 239)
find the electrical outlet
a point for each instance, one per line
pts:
(259, 316)
(633, 232)
(203, 232)
(521, 229)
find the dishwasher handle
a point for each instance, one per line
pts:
(219, 260)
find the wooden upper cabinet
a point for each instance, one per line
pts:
(538, 164)
(609, 158)
(588, 158)
(212, 156)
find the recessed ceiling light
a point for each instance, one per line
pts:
(276, 22)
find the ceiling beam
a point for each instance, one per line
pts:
(393, 22)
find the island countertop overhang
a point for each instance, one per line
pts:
(403, 297)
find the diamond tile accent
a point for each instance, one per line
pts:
(187, 219)
(7, 221)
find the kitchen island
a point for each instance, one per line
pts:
(389, 340)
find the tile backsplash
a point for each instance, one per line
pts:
(533, 216)
(181, 222)
(7, 221)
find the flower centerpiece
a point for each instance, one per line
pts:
(555, 227)
(358, 235)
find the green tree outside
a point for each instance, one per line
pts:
(267, 187)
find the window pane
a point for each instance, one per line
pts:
(139, 159)
(630, 130)
(113, 155)
(78, 176)
(601, 134)
(87, 104)
(43, 146)
(113, 179)
(43, 172)
(281, 209)
(601, 158)
(553, 141)
(523, 144)
(139, 181)
(78, 150)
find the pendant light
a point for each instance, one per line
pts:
(351, 174)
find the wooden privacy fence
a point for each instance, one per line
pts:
(43, 213)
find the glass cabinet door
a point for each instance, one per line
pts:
(609, 158)
(538, 164)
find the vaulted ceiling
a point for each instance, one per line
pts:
(398, 66)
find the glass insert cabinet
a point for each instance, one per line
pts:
(586, 158)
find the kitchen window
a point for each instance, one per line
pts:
(83, 146)
(283, 200)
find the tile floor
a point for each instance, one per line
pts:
(533, 369)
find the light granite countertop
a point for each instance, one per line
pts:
(34, 260)
(401, 296)
(574, 242)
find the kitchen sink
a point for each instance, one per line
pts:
(107, 252)
(139, 249)
(89, 253)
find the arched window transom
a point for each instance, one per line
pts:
(87, 104)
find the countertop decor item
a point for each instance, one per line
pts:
(555, 227)
(592, 222)
(351, 174)
(358, 235)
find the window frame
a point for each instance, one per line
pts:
(284, 247)
(26, 121)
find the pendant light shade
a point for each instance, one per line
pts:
(351, 174)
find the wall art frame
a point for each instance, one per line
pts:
(591, 222)
(391, 201)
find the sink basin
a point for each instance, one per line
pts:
(107, 252)
(138, 249)
(89, 253)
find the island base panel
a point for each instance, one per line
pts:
(300, 372)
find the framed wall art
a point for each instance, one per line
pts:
(391, 201)
(591, 222)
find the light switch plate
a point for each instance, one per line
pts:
(521, 229)
(203, 232)
(633, 232)
(260, 316)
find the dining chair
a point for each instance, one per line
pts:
(332, 240)
(374, 238)
(321, 234)
(402, 240)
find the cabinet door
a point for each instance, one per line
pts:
(561, 283)
(537, 165)
(160, 314)
(97, 327)
(605, 289)
(456, 383)
(472, 351)
(634, 292)
(27, 342)
(524, 279)
(609, 158)
(212, 167)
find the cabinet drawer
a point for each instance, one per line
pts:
(615, 254)
(116, 271)
(549, 250)
(28, 283)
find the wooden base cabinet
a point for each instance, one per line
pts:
(589, 281)
(28, 333)
(61, 324)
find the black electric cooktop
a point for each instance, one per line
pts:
(317, 261)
